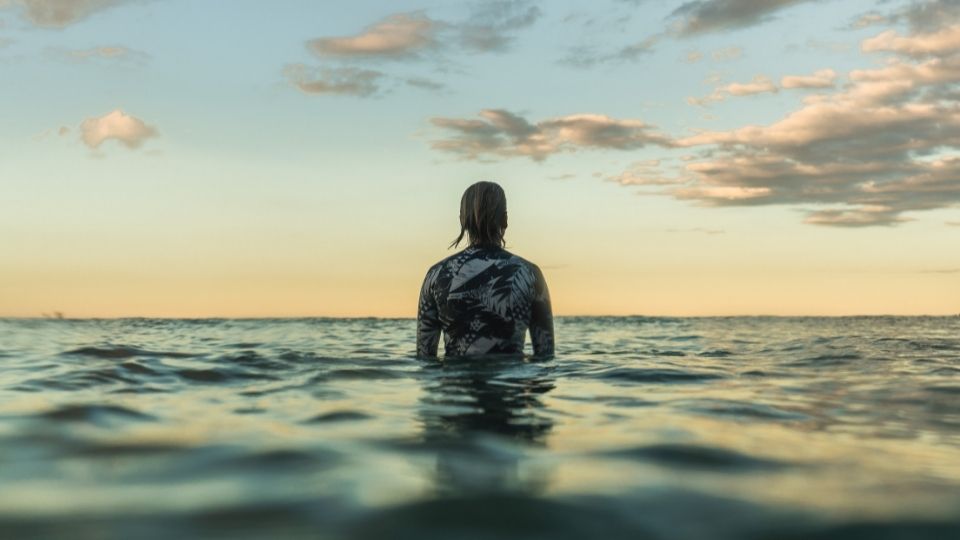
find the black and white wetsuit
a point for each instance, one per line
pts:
(484, 299)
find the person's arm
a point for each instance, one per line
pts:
(428, 319)
(541, 317)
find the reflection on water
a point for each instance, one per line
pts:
(469, 407)
(716, 428)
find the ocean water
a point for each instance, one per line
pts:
(713, 428)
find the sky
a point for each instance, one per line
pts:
(243, 158)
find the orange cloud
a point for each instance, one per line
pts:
(396, 36)
(940, 42)
(760, 84)
(127, 130)
(61, 13)
(823, 78)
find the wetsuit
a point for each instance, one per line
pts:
(484, 299)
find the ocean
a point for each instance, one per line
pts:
(679, 428)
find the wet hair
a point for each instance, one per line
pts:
(483, 215)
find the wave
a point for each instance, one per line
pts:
(123, 352)
(94, 413)
(652, 375)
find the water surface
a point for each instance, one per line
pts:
(640, 428)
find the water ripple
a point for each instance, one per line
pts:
(641, 427)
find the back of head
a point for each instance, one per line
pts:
(483, 215)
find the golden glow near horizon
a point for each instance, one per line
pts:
(656, 161)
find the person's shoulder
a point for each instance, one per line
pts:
(446, 261)
(523, 262)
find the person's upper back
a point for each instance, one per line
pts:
(484, 299)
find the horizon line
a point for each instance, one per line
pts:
(413, 318)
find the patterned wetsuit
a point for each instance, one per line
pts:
(484, 299)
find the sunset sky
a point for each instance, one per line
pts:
(180, 158)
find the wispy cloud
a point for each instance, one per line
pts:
(868, 19)
(918, 15)
(425, 84)
(705, 16)
(645, 173)
(692, 57)
(129, 131)
(941, 271)
(493, 25)
(107, 53)
(760, 84)
(488, 27)
(398, 36)
(823, 78)
(726, 54)
(589, 56)
(505, 134)
(59, 13)
(928, 15)
(335, 81)
(585, 56)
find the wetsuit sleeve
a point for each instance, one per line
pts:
(428, 319)
(541, 317)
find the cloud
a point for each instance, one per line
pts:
(823, 78)
(127, 130)
(588, 57)
(872, 152)
(345, 81)
(505, 134)
(636, 50)
(109, 53)
(953, 223)
(921, 16)
(398, 36)
(944, 41)
(644, 173)
(726, 54)
(102, 52)
(425, 84)
(825, 46)
(760, 84)
(868, 19)
(865, 216)
(929, 15)
(942, 271)
(706, 16)
(60, 13)
(883, 146)
(492, 25)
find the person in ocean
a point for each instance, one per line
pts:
(484, 299)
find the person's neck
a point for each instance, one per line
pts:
(485, 246)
